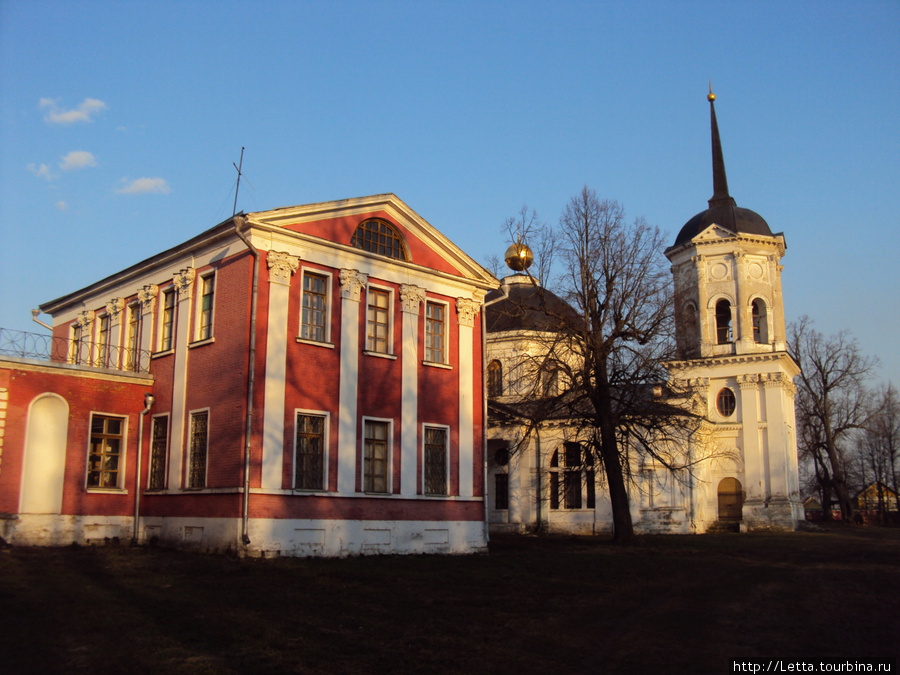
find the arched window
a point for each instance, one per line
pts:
(760, 323)
(495, 379)
(723, 322)
(379, 236)
(725, 402)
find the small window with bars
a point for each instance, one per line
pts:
(435, 460)
(435, 331)
(159, 440)
(198, 449)
(309, 461)
(314, 312)
(105, 455)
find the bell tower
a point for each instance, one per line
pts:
(730, 335)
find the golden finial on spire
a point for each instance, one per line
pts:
(712, 96)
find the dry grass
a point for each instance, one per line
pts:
(535, 604)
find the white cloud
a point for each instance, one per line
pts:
(143, 186)
(83, 113)
(41, 171)
(77, 159)
(62, 206)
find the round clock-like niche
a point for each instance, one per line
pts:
(725, 402)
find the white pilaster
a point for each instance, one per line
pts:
(466, 310)
(352, 283)
(411, 298)
(754, 462)
(183, 281)
(147, 299)
(779, 438)
(281, 267)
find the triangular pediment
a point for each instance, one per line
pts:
(713, 232)
(337, 220)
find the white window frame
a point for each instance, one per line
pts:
(123, 454)
(446, 336)
(328, 276)
(132, 310)
(390, 454)
(198, 307)
(165, 469)
(390, 327)
(325, 448)
(190, 434)
(98, 355)
(446, 429)
(160, 323)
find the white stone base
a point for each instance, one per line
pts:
(327, 538)
(55, 530)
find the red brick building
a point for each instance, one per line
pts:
(306, 380)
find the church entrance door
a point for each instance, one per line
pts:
(731, 500)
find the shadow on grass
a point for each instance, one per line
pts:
(535, 604)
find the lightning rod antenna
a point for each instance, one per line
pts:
(238, 187)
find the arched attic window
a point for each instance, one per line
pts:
(379, 236)
(723, 322)
(760, 321)
(495, 378)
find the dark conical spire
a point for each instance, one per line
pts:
(720, 182)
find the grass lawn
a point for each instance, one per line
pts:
(669, 604)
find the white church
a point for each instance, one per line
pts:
(732, 357)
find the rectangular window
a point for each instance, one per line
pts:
(378, 321)
(199, 439)
(572, 489)
(375, 459)
(77, 343)
(501, 491)
(104, 458)
(132, 358)
(205, 307)
(435, 461)
(167, 321)
(314, 314)
(434, 332)
(159, 441)
(309, 458)
(103, 341)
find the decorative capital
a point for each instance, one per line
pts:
(281, 266)
(411, 298)
(114, 306)
(748, 381)
(147, 295)
(85, 317)
(466, 310)
(352, 282)
(183, 280)
(775, 380)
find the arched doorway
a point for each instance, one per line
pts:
(45, 455)
(731, 500)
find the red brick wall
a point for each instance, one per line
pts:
(83, 395)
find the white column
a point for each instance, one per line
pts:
(115, 358)
(466, 310)
(147, 299)
(754, 462)
(281, 267)
(184, 280)
(411, 298)
(352, 283)
(779, 439)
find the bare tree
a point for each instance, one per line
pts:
(879, 450)
(607, 345)
(832, 402)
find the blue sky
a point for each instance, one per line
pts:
(119, 123)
